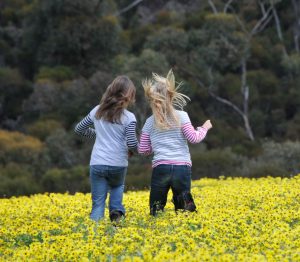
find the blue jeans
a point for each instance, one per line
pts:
(106, 179)
(164, 177)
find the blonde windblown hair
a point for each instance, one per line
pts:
(162, 94)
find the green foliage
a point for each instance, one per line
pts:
(145, 64)
(81, 40)
(17, 147)
(172, 42)
(17, 180)
(261, 58)
(71, 180)
(286, 155)
(166, 18)
(292, 64)
(194, 20)
(13, 90)
(138, 68)
(293, 128)
(71, 50)
(276, 159)
(13, 11)
(263, 170)
(138, 36)
(223, 135)
(43, 128)
(266, 81)
(66, 101)
(60, 149)
(138, 176)
(224, 40)
(215, 163)
(229, 87)
(58, 73)
(260, 119)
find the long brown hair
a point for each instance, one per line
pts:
(118, 95)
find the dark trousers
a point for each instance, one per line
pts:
(164, 177)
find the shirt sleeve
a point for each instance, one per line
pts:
(184, 118)
(145, 147)
(83, 128)
(189, 132)
(130, 133)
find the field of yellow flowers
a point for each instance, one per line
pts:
(237, 220)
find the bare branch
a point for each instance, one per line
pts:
(226, 102)
(244, 75)
(221, 99)
(262, 7)
(248, 128)
(263, 25)
(278, 28)
(296, 7)
(277, 21)
(127, 8)
(212, 5)
(238, 20)
(227, 5)
(261, 21)
(244, 86)
(296, 40)
(218, 98)
(245, 92)
(228, 44)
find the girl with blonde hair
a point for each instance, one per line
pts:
(166, 133)
(114, 129)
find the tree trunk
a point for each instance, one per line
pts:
(245, 93)
(278, 28)
(296, 7)
(248, 128)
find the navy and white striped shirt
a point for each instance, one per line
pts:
(112, 140)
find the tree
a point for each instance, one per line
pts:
(20, 148)
(296, 29)
(13, 89)
(79, 34)
(66, 100)
(138, 68)
(225, 45)
(172, 42)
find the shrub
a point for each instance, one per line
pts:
(71, 180)
(285, 155)
(138, 176)
(216, 163)
(17, 180)
(276, 159)
(256, 169)
(17, 147)
(43, 128)
(57, 73)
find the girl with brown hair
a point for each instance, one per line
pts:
(114, 130)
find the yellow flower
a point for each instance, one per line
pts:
(237, 219)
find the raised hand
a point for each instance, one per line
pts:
(207, 125)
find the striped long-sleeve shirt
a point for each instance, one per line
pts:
(112, 140)
(170, 146)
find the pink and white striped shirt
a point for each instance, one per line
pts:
(170, 146)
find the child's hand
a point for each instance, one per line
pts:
(207, 125)
(130, 153)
